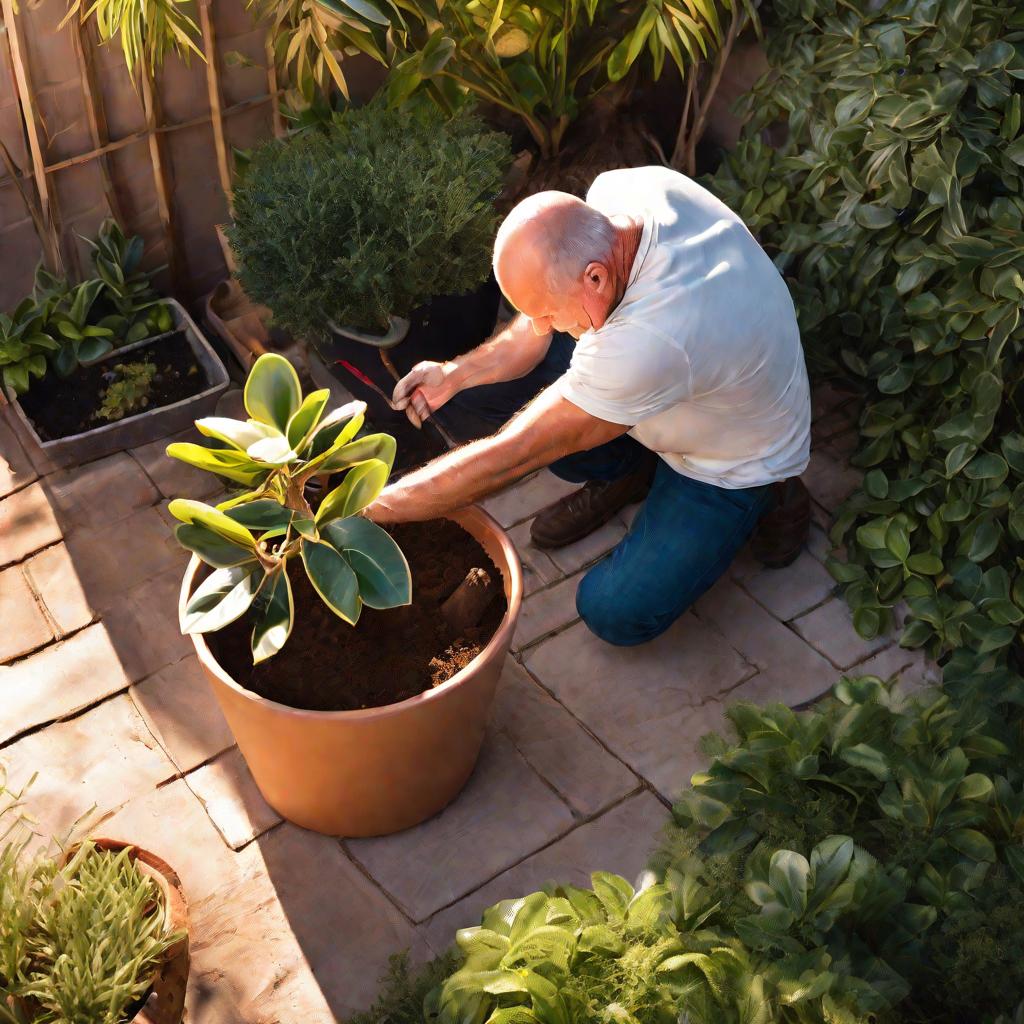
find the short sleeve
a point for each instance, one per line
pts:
(626, 375)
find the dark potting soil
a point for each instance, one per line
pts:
(61, 407)
(388, 656)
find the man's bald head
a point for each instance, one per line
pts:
(550, 235)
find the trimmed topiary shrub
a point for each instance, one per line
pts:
(370, 218)
(895, 211)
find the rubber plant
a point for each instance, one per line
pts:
(251, 539)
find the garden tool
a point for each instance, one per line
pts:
(447, 438)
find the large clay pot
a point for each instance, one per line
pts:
(379, 770)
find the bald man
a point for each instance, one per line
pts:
(670, 349)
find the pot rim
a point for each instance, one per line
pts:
(502, 637)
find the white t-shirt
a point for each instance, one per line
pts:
(702, 356)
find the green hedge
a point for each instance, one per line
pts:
(860, 861)
(895, 211)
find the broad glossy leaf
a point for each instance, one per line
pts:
(239, 434)
(333, 579)
(789, 875)
(830, 861)
(92, 349)
(306, 417)
(973, 844)
(222, 597)
(274, 624)
(862, 755)
(378, 562)
(614, 893)
(274, 451)
(224, 462)
(261, 514)
(361, 485)
(372, 446)
(211, 547)
(188, 511)
(338, 427)
(272, 391)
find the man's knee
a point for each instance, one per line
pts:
(613, 621)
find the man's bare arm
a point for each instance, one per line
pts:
(512, 353)
(547, 429)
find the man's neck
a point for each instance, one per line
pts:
(629, 231)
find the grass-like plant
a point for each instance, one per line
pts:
(250, 539)
(81, 938)
(384, 210)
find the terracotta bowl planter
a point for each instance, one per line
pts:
(165, 1003)
(379, 770)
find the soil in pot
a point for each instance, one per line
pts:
(390, 655)
(62, 407)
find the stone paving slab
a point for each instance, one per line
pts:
(235, 805)
(590, 549)
(181, 711)
(53, 577)
(619, 841)
(25, 626)
(639, 701)
(545, 612)
(787, 669)
(93, 763)
(829, 629)
(790, 592)
(504, 814)
(27, 523)
(556, 746)
(101, 493)
(59, 680)
(538, 569)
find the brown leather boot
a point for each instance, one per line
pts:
(571, 518)
(781, 534)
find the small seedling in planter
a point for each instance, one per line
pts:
(249, 540)
(127, 392)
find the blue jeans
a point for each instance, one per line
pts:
(682, 540)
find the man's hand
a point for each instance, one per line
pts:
(424, 389)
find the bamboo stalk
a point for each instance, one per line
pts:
(50, 240)
(216, 100)
(162, 129)
(275, 90)
(163, 191)
(95, 114)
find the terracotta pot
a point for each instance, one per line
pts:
(165, 1003)
(379, 770)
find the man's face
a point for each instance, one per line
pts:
(549, 311)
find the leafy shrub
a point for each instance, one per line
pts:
(25, 342)
(250, 539)
(895, 211)
(79, 941)
(859, 862)
(381, 212)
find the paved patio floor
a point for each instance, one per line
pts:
(588, 743)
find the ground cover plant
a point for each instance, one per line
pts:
(894, 210)
(80, 938)
(370, 218)
(862, 861)
(249, 539)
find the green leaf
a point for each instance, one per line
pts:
(614, 893)
(789, 875)
(361, 485)
(830, 861)
(261, 514)
(222, 597)
(371, 446)
(333, 579)
(869, 758)
(272, 391)
(375, 558)
(239, 434)
(975, 787)
(273, 451)
(925, 563)
(189, 511)
(306, 417)
(972, 843)
(874, 217)
(92, 349)
(897, 540)
(225, 462)
(211, 547)
(274, 624)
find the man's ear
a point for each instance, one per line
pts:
(596, 278)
